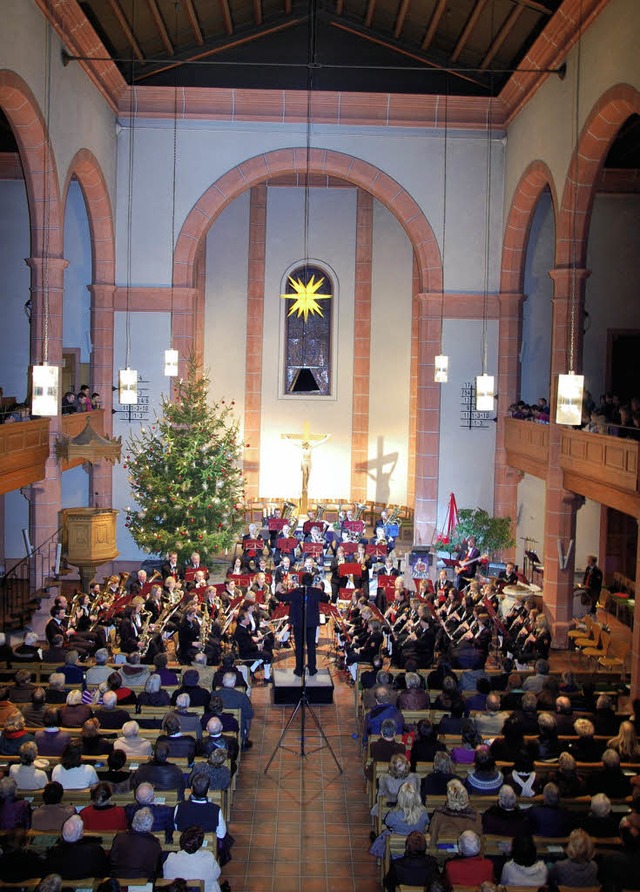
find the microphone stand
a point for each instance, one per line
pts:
(302, 705)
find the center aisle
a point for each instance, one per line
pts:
(303, 827)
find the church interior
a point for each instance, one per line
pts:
(357, 214)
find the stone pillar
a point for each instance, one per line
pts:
(506, 479)
(183, 304)
(103, 377)
(361, 347)
(635, 632)
(561, 505)
(47, 275)
(254, 341)
(427, 418)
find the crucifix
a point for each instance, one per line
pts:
(307, 442)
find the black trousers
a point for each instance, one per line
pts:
(310, 634)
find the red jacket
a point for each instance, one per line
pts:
(469, 871)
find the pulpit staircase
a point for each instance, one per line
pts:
(24, 585)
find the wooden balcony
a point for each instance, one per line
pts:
(527, 446)
(24, 449)
(602, 468)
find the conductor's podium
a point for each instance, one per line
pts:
(287, 687)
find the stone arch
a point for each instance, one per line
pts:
(600, 130)
(532, 183)
(317, 161)
(86, 170)
(38, 163)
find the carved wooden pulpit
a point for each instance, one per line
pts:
(88, 539)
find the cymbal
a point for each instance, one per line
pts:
(518, 589)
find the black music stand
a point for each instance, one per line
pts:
(301, 706)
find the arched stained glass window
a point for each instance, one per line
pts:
(308, 330)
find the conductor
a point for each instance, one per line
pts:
(304, 616)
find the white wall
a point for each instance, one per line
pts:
(76, 321)
(530, 521)
(75, 488)
(331, 239)
(149, 334)
(611, 297)
(389, 392)
(535, 353)
(16, 512)
(466, 454)
(14, 288)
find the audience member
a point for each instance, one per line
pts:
(102, 814)
(51, 815)
(74, 857)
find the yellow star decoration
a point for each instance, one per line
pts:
(305, 297)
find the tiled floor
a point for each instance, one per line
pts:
(303, 825)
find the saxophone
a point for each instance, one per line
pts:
(205, 626)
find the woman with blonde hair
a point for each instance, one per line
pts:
(625, 743)
(408, 815)
(449, 821)
(399, 772)
(578, 869)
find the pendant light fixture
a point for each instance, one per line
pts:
(128, 377)
(171, 355)
(571, 385)
(441, 361)
(304, 381)
(485, 383)
(45, 378)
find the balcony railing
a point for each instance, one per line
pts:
(527, 445)
(24, 449)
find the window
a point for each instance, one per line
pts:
(308, 330)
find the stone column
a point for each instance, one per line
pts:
(47, 275)
(428, 417)
(506, 479)
(103, 377)
(361, 347)
(254, 343)
(561, 505)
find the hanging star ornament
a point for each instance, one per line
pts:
(305, 297)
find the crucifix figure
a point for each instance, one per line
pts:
(307, 442)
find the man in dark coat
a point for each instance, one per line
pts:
(159, 772)
(304, 616)
(415, 868)
(74, 857)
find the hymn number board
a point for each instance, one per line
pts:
(469, 416)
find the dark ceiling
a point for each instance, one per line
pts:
(352, 45)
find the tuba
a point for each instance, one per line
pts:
(124, 576)
(320, 509)
(395, 514)
(360, 508)
(287, 512)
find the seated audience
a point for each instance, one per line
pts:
(549, 819)
(215, 768)
(181, 746)
(74, 857)
(136, 853)
(599, 822)
(115, 773)
(110, 716)
(14, 735)
(198, 810)
(198, 696)
(399, 772)
(51, 815)
(93, 743)
(34, 712)
(611, 780)
(74, 713)
(135, 746)
(414, 696)
(586, 748)
(524, 867)
(449, 820)
(409, 813)
(27, 775)
(189, 721)
(51, 741)
(579, 868)
(470, 867)
(159, 772)
(55, 692)
(506, 818)
(386, 745)
(414, 868)
(162, 814)
(383, 709)
(193, 862)
(102, 814)
(485, 779)
(71, 772)
(435, 782)
(465, 753)
(625, 743)
(17, 862)
(14, 810)
(566, 778)
(153, 694)
(100, 672)
(425, 743)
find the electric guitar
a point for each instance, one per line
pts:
(462, 565)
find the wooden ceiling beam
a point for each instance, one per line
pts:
(193, 21)
(437, 14)
(402, 14)
(126, 28)
(226, 15)
(287, 7)
(371, 8)
(339, 7)
(535, 6)
(470, 24)
(257, 12)
(160, 25)
(501, 36)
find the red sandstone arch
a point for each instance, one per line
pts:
(318, 161)
(86, 170)
(38, 163)
(600, 130)
(536, 178)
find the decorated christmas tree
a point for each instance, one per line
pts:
(185, 475)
